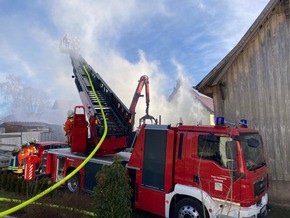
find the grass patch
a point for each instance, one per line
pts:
(65, 204)
(4, 205)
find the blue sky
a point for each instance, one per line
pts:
(121, 40)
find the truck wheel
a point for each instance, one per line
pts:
(73, 184)
(190, 208)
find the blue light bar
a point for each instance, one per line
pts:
(244, 123)
(220, 121)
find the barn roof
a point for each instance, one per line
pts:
(214, 76)
(206, 101)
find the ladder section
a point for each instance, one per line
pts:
(118, 117)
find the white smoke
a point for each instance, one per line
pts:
(98, 24)
(122, 77)
(181, 104)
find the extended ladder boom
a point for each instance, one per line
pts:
(118, 116)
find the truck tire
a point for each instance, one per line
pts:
(73, 184)
(189, 207)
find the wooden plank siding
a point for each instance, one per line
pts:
(254, 83)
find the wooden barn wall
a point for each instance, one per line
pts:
(257, 88)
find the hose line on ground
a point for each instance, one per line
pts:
(59, 183)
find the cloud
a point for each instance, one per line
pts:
(8, 58)
(123, 40)
(235, 18)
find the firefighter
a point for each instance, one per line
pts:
(24, 152)
(13, 164)
(68, 125)
(31, 147)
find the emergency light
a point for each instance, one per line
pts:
(244, 123)
(220, 121)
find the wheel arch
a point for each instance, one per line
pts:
(178, 197)
(182, 191)
(69, 170)
(77, 176)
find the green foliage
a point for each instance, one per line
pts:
(1, 178)
(12, 183)
(38, 185)
(112, 195)
(23, 187)
(4, 180)
(9, 179)
(18, 185)
(45, 184)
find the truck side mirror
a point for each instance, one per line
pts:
(252, 142)
(231, 150)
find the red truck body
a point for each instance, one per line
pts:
(170, 157)
(171, 167)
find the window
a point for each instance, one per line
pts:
(253, 151)
(55, 146)
(211, 147)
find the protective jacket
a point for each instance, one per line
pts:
(68, 126)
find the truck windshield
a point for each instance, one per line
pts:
(253, 151)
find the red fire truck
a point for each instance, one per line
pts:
(176, 171)
(218, 171)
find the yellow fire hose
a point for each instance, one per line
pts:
(31, 200)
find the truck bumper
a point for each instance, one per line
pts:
(254, 211)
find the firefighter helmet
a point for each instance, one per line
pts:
(16, 150)
(33, 141)
(70, 114)
(25, 144)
